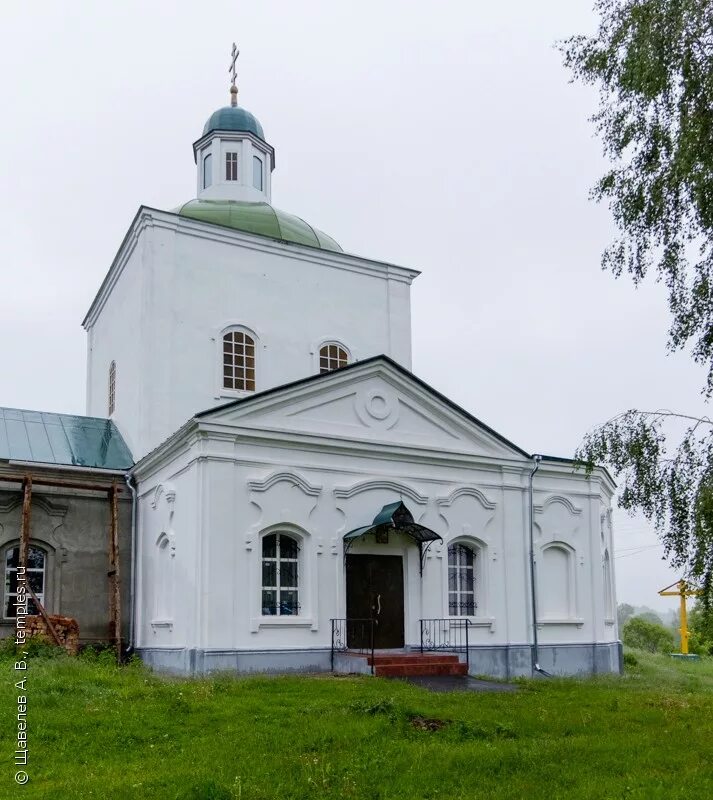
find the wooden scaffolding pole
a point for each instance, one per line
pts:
(25, 524)
(114, 589)
(25, 552)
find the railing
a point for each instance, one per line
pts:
(353, 636)
(446, 634)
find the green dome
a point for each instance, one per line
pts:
(233, 118)
(259, 218)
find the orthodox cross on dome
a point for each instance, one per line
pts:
(233, 75)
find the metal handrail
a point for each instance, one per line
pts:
(446, 633)
(344, 629)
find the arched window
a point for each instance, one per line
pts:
(332, 356)
(461, 580)
(36, 568)
(112, 387)
(257, 173)
(207, 170)
(280, 563)
(238, 361)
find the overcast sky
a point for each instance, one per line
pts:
(440, 136)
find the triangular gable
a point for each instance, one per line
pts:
(374, 400)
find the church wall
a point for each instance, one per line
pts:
(72, 528)
(169, 556)
(117, 335)
(247, 490)
(180, 287)
(277, 297)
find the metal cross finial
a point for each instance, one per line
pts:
(233, 75)
(231, 69)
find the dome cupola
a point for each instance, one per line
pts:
(233, 159)
(234, 165)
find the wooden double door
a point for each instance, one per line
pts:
(375, 590)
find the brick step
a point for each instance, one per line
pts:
(409, 670)
(414, 658)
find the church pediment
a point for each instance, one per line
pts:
(376, 401)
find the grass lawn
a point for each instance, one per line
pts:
(97, 731)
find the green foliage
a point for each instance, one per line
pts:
(34, 647)
(630, 660)
(100, 733)
(651, 60)
(700, 624)
(624, 612)
(641, 634)
(673, 491)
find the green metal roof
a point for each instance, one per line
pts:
(259, 218)
(231, 118)
(61, 439)
(395, 516)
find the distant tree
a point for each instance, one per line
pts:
(651, 616)
(641, 634)
(652, 61)
(624, 612)
(700, 620)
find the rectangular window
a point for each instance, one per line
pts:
(257, 173)
(231, 166)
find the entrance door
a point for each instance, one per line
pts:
(375, 589)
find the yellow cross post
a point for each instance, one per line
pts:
(683, 591)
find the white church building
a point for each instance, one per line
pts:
(301, 497)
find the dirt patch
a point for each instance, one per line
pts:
(428, 724)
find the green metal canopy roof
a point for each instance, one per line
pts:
(259, 218)
(397, 518)
(63, 439)
(233, 118)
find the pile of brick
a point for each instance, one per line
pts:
(66, 628)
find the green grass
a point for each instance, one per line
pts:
(96, 731)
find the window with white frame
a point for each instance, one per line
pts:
(231, 166)
(207, 170)
(238, 361)
(112, 387)
(257, 173)
(461, 580)
(35, 577)
(332, 356)
(280, 566)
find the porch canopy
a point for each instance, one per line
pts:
(395, 518)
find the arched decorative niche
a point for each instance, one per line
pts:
(556, 583)
(163, 583)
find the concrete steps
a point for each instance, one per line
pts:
(400, 665)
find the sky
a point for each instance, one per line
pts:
(440, 136)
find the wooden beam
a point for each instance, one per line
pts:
(25, 524)
(114, 577)
(95, 487)
(43, 614)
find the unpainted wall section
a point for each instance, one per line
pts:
(72, 527)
